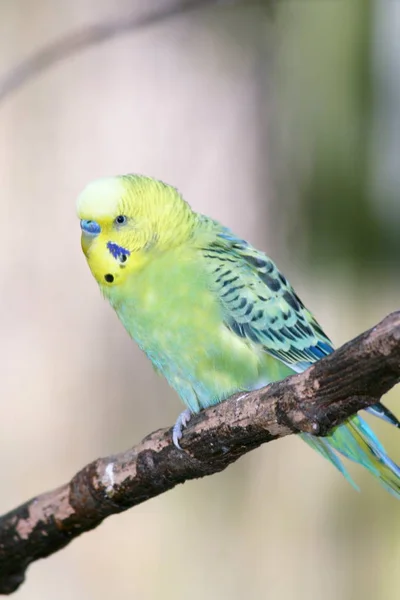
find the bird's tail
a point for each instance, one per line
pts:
(356, 440)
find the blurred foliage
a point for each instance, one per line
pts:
(326, 79)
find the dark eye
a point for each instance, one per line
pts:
(121, 219)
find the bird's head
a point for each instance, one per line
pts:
(126, 221)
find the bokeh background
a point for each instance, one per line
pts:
(282, 120)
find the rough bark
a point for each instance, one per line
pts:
(353, 377)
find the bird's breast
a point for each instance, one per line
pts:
(170, 311)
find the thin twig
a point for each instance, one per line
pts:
(91, 36)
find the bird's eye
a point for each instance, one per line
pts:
(121, 219)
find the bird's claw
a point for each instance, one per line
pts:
(177, 430)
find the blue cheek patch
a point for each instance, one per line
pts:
(118, 251)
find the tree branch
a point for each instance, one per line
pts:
(352, 378)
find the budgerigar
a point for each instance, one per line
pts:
(213, 314)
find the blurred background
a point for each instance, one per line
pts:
(280, 119)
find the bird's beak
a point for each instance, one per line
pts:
(90, 229)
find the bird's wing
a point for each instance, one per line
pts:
(259, 304)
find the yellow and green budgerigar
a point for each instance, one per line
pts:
(214, 315)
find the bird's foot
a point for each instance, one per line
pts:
(180, 424)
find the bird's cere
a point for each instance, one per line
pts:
(90, 227)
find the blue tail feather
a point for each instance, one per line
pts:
(356, 441)
(382, 412)
(322, 446)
